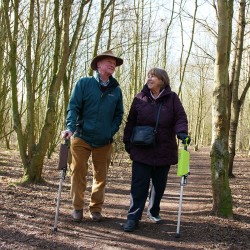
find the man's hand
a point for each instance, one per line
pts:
(184, 138)
(66, 134)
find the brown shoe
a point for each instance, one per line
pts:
(77, 215)
(96, 216)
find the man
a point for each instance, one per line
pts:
(94, 115)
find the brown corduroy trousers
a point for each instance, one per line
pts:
(101, 158)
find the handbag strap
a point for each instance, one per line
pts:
(158, 116)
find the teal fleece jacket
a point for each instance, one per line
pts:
(95, 114)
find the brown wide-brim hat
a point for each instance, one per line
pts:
(103, 55)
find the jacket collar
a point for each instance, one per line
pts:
(112, 81)
(146, 91)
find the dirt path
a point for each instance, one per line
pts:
(27, 212)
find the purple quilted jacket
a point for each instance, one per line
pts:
(172, 120)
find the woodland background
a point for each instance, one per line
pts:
(46, 46)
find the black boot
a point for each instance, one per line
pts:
(130, 225)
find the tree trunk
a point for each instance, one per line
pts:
(13, 75)
(5, 105)
(30, 86)
(182, 73)
(34, 172)
(165, 44)
(33, 154)
(146, 53)
(140, 69)
(222, 198)
(197, 134)
(236, 103)
(103, 11)
(111, 19)
(136, 49)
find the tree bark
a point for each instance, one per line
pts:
(5, 105)
(222, 198)
(33, 154)
(236, 103)
(30, 125)
(182, 73)
(165, 44)
(35, 171)
(111, 19)
(197, 133)
(136, 45)
(103, 11)
(12, 37)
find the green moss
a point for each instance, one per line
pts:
(27, 179)
(13, 184)
(2, 172)
(222, 197)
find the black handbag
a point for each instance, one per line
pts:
(145, 135)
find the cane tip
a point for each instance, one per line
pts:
(55, 229)
(177, 236)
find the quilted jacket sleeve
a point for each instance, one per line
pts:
(181, 123)
(130, 123)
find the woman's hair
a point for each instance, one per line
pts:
(160, 74)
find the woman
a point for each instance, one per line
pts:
(153, 162)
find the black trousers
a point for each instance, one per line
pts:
(141, 176)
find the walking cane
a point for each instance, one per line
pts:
(62, 165)
(183, 171)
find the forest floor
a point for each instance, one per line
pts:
(27, 213)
